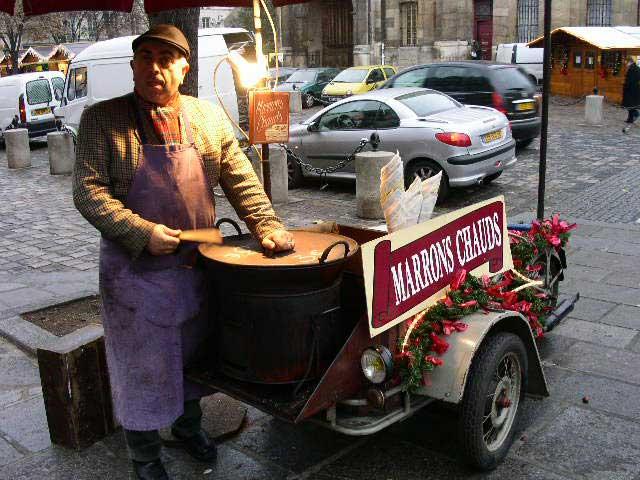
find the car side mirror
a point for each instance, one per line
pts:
(313, 126)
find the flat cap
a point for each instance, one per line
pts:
(165, 33)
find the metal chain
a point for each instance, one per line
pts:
(323, 172)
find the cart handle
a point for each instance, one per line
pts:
(230, 222)
(327, 250)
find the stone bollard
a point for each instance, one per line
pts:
(17, 144)
(368, 166)
(593, 110)
(279, 174)
(295, 102)
(61, 153)
(255, 161)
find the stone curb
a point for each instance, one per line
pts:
(29, 337)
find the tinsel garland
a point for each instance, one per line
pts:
(424, 341)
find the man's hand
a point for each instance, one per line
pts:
(278, 241)
(163, 241)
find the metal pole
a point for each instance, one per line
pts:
(546, 86)
(266, 167)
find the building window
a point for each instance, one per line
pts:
(598, 13)
(408, 24)
(206, 22)
(528, 11)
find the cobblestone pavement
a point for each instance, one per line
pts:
(48, 254)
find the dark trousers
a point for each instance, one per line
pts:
(145, 446)
(633, 115)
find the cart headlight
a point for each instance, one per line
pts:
(377, 364)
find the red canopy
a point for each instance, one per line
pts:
(38, 7)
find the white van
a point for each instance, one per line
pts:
(530, 59)
(27, 100)
(102, 71)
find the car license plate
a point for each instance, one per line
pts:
(41, 111)
(525, 106)
(492, 136)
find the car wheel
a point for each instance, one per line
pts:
(309, 101)
(427, 169)
(524, 143)
(494, 392)
(294, 172)
(490, 178)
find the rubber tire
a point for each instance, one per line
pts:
(308, 101)
(484, 364)
(490, 178)
(294, 173)
(411, 171)
(524, 143)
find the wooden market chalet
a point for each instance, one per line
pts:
(43, 58)
(586, 58)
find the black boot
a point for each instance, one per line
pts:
(150, 470)
(199, 446)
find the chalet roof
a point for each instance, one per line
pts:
(603, 38)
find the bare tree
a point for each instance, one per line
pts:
(12, 29)
(65, 27)
(138, 21)
(187, 20)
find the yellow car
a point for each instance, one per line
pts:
(356, 80)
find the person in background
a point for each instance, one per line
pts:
(146, 166)
(631, 93)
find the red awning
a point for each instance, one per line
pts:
(38, 7)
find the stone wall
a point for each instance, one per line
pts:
(445, 28)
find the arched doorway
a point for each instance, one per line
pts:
(337, 33)
(483, 27)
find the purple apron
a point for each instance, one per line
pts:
(153, 306)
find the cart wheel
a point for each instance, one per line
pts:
(494, 391)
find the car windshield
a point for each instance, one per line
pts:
(511, 78)
(426, 103)
(351, 76)
(302, 76)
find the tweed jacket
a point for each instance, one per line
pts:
(108, 152)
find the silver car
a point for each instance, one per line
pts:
(431, 130)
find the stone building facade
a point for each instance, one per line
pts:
(406, 32)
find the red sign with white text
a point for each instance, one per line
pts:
(403, 281)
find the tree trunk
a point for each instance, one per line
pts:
(187, 20)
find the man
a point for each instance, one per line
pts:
(146, 166)
(631, 93)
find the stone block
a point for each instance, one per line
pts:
(580, 441)
(368, 166)
(593, 109)
(61, 153)
(76, 390)
(279, 174)
(24, 424)
(596, 332)
(18, 151)
(295, 102)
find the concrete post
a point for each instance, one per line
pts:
(368, 166)
(593, 110)
(295, 102)
(18, 152)
(61, 153)
(255, 161)
(279, 175)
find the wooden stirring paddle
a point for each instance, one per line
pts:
(202, 235)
